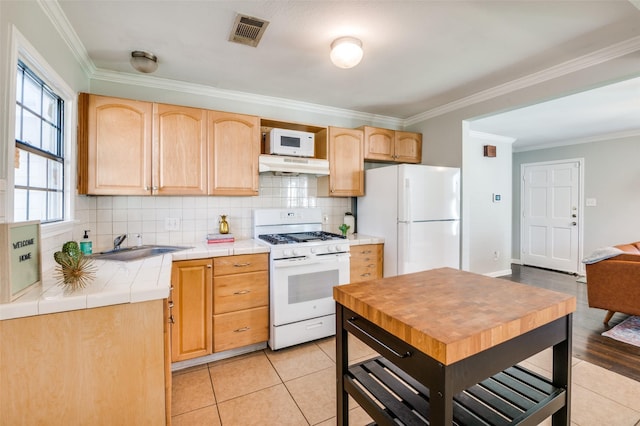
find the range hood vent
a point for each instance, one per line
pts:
(248, 30)
(279, 164)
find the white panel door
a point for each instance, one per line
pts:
(550, 215)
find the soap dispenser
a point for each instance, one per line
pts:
(86, 246)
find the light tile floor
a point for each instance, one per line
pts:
(296, 386)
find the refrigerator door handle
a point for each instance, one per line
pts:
(407, 200)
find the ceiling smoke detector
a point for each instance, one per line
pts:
(248, 30)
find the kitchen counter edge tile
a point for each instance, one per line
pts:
(361, 239)
(119, 282)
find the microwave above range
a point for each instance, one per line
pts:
(290, 142)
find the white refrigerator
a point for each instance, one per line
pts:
(416, 209)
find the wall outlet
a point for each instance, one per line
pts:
(172, 223)
(496, 255)
(325, 218)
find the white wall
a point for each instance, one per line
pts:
(486, 247)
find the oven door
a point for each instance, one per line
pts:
(302, 288)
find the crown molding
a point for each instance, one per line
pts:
(54, 12)
(599, 56)
(204, 90)
(578, 141)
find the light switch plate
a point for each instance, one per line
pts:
(591, 202)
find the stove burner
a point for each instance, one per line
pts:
(300, 237)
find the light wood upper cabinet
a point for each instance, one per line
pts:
(128, 147)
(393, 146)
(234, 149)
(408, 147)
(114, 146)
(346, 163)
(179, 150)
(191, 332)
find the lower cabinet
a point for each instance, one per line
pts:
(218, 304)
(190, 298)
(366, 262)
(102, 365)
(240, 301)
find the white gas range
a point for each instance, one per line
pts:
(305, 264)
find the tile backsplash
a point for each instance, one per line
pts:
(108, 216)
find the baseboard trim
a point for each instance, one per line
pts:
(181, 365)
(499, 273)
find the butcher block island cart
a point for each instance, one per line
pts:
(449, 343)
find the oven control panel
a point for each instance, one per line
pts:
(303, 250)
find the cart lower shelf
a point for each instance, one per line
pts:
(515, 396)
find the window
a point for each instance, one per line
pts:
(39, 157)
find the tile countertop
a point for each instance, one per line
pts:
(119, 282)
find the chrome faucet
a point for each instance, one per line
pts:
(118, 240)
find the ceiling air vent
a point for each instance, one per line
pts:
(248, 30)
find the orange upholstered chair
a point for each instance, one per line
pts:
(614, 283)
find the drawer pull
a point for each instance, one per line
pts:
(368, 274)
(241, 292)
(314, 325)
(384, 345)
(240, 330)
(365, 252)
(371, 265)
(241, 265)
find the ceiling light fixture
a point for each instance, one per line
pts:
(346, 52)
(144, 61)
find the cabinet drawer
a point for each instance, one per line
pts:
(240, 264)
(240, 291)
(366, 262)
(242, 328)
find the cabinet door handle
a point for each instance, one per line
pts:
(241, 330)
(241, 265)
(170, 304)
(171, 320)
(241, 292)
(209, 266)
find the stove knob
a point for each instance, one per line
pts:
(286, 252)
(314, 250)
(341, 248)
(331, 249)
(297, 252)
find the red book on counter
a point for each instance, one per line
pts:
(220, 238)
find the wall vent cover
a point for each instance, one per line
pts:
(248, 30)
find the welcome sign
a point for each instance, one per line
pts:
(19, 258)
